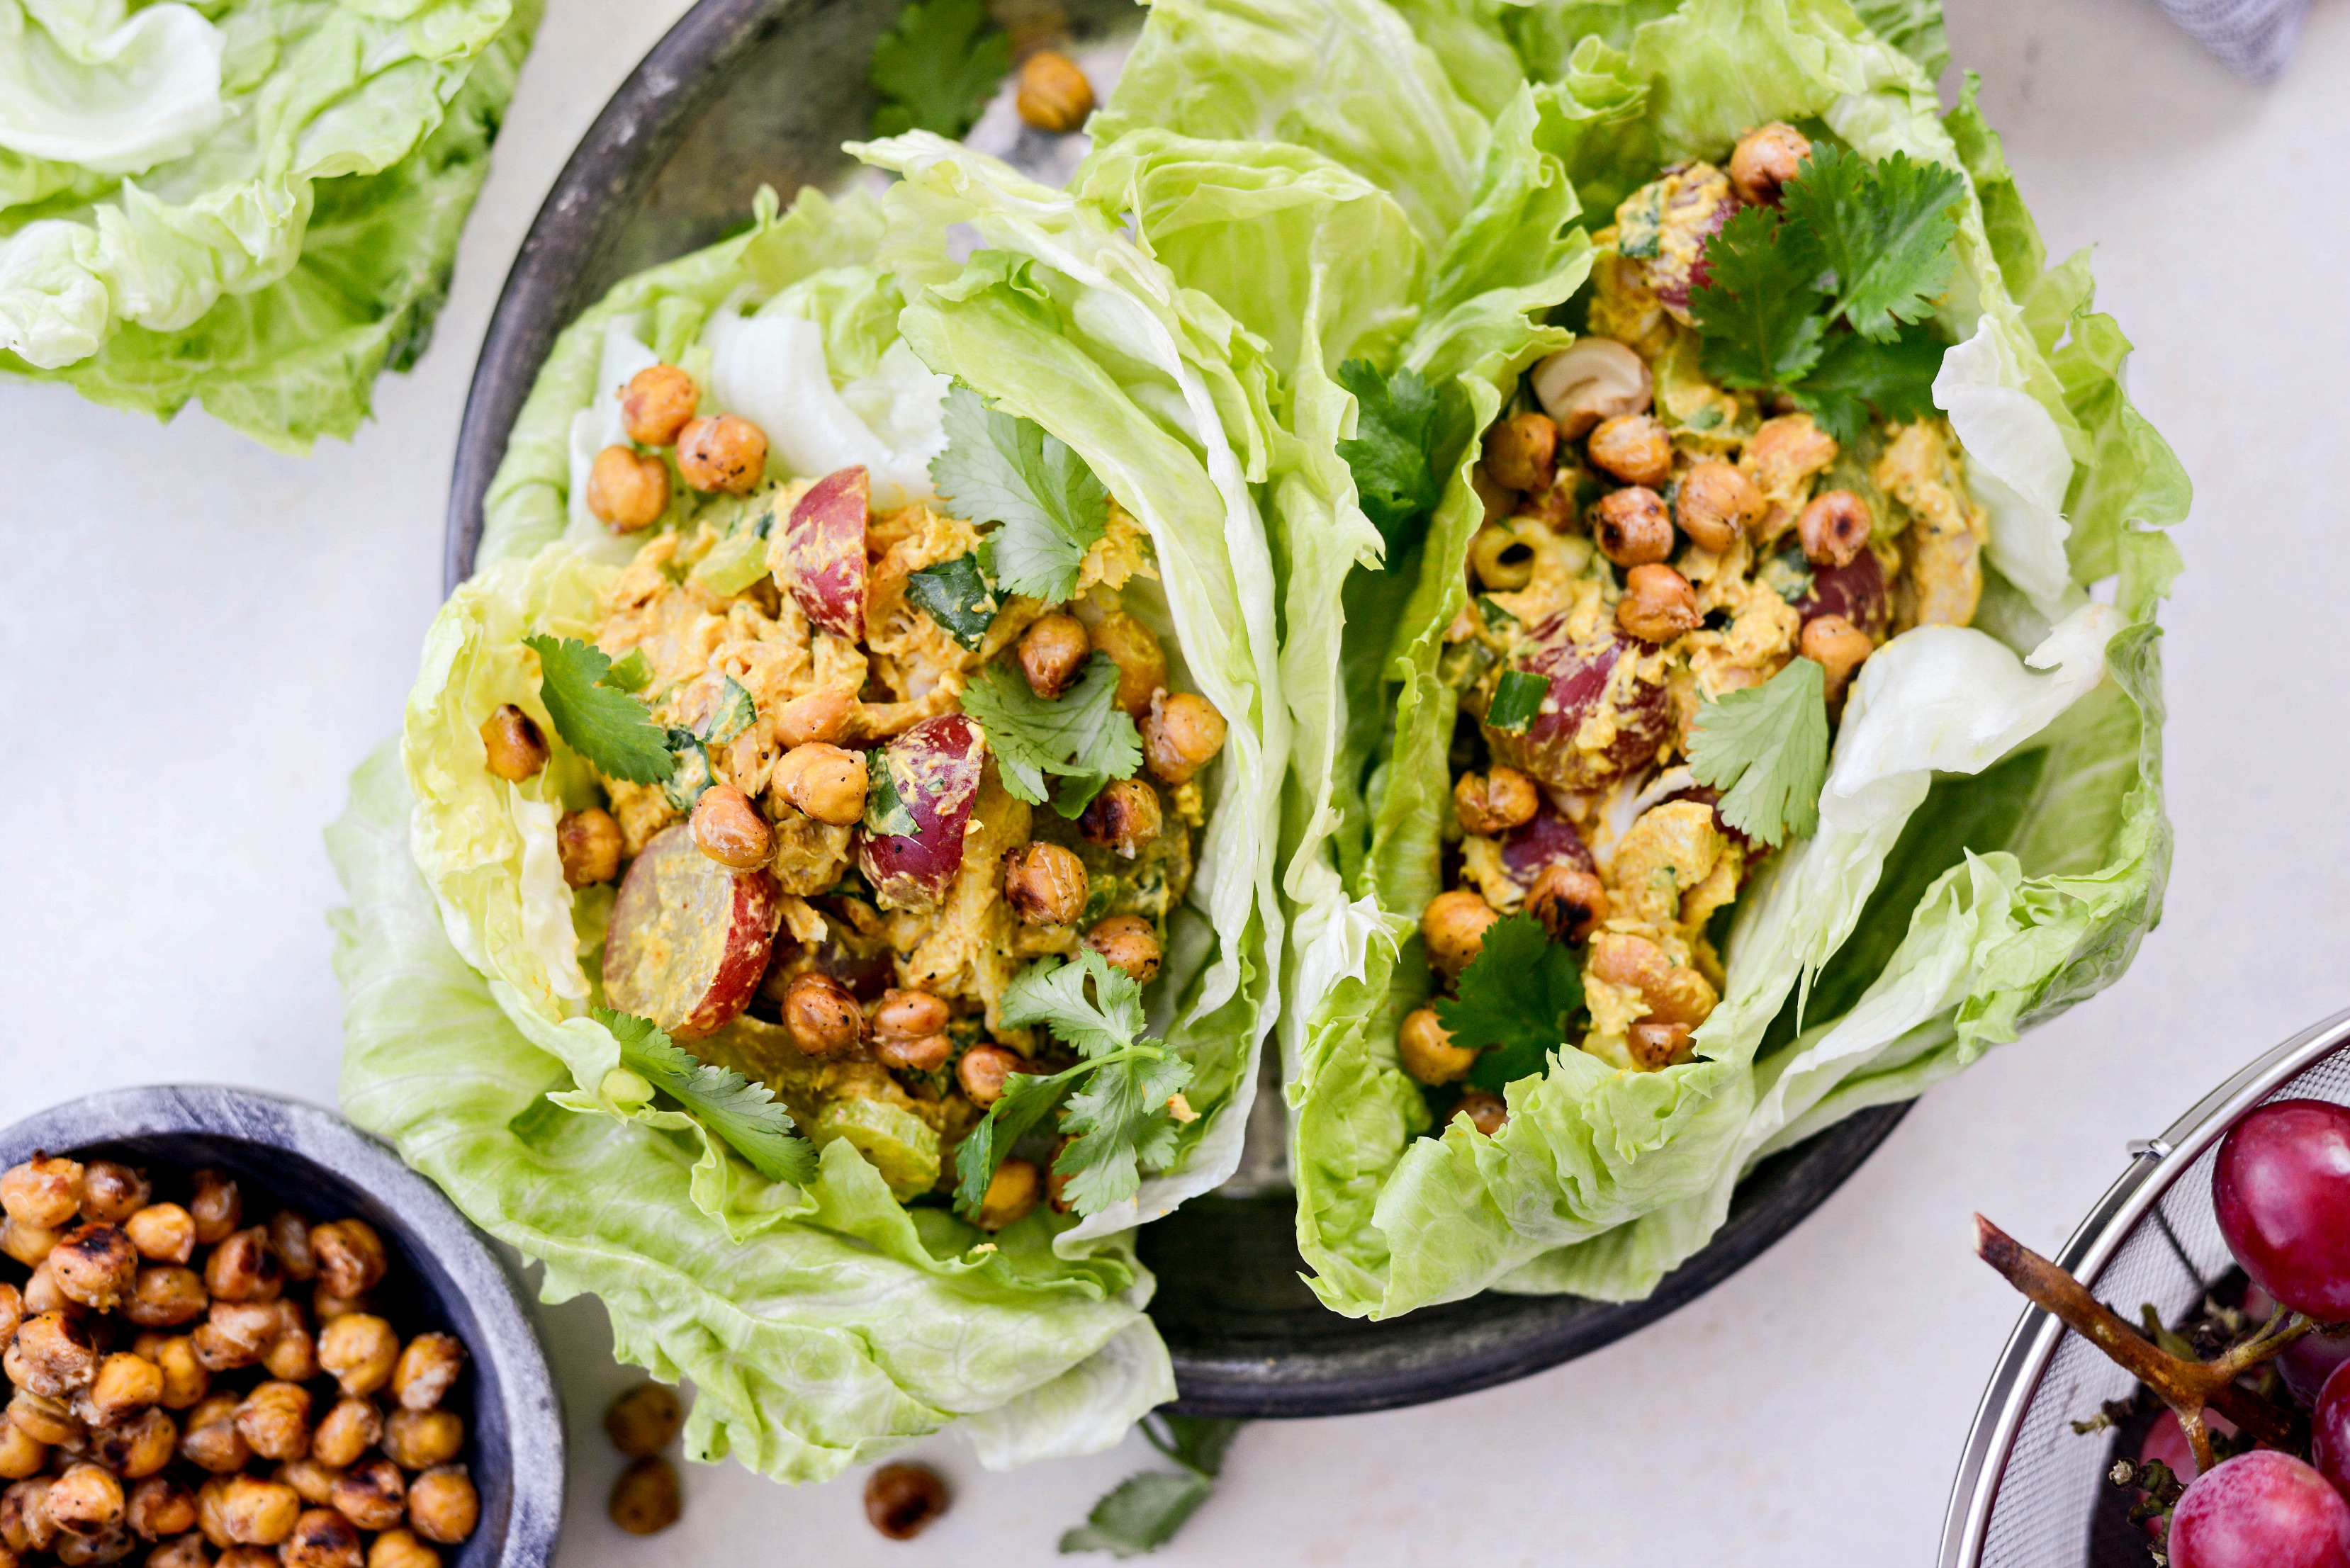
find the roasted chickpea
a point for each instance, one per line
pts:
(236, 1334)
(726, 453)
(209, 1496)
(1635, 448)
(289, 1238)
(327, 1306)
(902, 1501)
(313, 1482)
(1045, 884)
(1499, 500)
(1659, 604)
(1494, 803)
(647, 1500)
(1182, 735)
(181, 1551)
(357, 1350)
(371, 1494)
(816, 716)
(165, 1295)
(1835, 643)
(1503, 562)
(163, 1233)
(401, 1548)
(25, 1522)
(1427, 1051)
(516, 750)
(1591, 380)
(983, 1070)
(1011, 1194)
(247, 1557)
(110, 1545)
(322, 1538)
(94, 1265)
(1124, 817)
(124, 1383)
(1054, 96)
(210, 1441)
(258, 1512)
(184, 1377)
(244, 1269)
(349, 1429)
(656, 404)
(588, 844)
(627, 489)
(1654, 1046)
(11, 1310)
(160, 1506)
(1834, 528)
(729, 829)
(1765, 159)
(215, 1203)
(1052, 652)
(112, 1192)
(644, 1420)
(825, 782)
(350, 1256)
(1141, 662)
(54, 1355)
(1522, 451)
(274, 1420)
(27, 1244)
(1128, 943)
(1716, 503)
(47, 1420)
(909, 1032)
(821, 1015)
(427, 1368)
(1453, 928)
(1631, 527)
(1568, 900)
(139, 1445)
(86, 1501)
(924, 1053)
(41, 1294)
(419, 1439)
(441, 1505)
(1675, 993)
(21, 1453)
(43, 1192)
(292, 1354)
(1486, 1114)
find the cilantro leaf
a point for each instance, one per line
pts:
(1121, 1123)
(741, 1112)
(1026, 1097)
(1000, 468)
(956, 594)
(1883, 228)
(1055, 995)
(1081, 735)
(1518, 998)
(1756, 314)
(937, 67)
(601, 722)
(1143, 1512)
(631, 673)
(1766, 749)
(1857, 374)
(1395, 475)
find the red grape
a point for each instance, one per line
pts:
(2282, 1191)
(2308, 1362)
(1586, 679)
(2260, 1510)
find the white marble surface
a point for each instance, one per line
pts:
(198, 639)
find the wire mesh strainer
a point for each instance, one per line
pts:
(2029, 1487)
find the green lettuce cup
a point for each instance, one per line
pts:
(838, 820)
(1982, 844)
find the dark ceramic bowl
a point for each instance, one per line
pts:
(733, 98)
(441, 1276)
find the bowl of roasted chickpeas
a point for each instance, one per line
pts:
(240, 1333)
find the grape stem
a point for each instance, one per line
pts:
(2189, 1387)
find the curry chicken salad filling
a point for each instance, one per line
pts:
(856, 847)
(1656, 543)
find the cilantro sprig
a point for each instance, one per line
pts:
(1080, 736)
(956, 594)
(1000, 468)
(1142, 1512)
(743, 1112)
(937, 67)
(597, 717)
(1117, 1116)
(1828, 298)
(1518, 1000)
(1390, 453)
(1766, 750)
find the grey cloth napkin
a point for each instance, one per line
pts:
(2255, 36)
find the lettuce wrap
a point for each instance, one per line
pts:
(1989, 844)
(254, 204)
(810, 1237)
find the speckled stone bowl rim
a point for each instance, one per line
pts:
(282, 1136)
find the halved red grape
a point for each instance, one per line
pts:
(688, 938)
(934, 768)
(824, 552)
(2260, 1510)
(2282, 1187)
(1585, 678)
(1547, 839)
(1854, 590)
